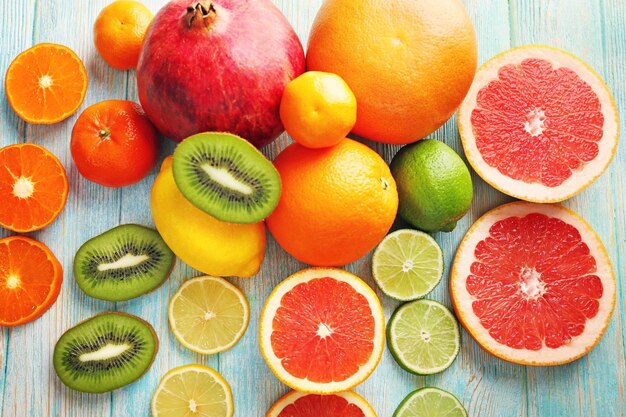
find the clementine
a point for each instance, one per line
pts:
(318, 109)
(337, 203)
(46, 83)
(114, 143)
(119, 31)
(409, 62)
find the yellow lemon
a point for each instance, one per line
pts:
(203, 242)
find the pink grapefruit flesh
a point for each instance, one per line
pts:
(344, 404)
(322, 330)
(538, 124)
(533, 284)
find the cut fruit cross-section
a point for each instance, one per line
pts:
(30, 280)
(193, 390)
(532, 283)
(33, 187)
(208, 314)
(538, 124)
(322, 331)
(430, 402)
(300, 404)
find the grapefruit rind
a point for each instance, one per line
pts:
(350, 396)
(579, 180)
(462, 300)
(273, 303)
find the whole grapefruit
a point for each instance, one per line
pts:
(409, 62)
(336, 205)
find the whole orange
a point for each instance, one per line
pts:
(119, 31)
(114, 143)
(408, 62)
(337, 203)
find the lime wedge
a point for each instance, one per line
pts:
(430, 402)
(208, 314)
(423, 337)
(407, 264)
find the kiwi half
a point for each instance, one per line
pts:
(123, 263)
(105, 352)
(227, 177)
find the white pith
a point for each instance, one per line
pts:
(223, 177)
(531, 284)
(23, 188)
(324, 330)
(45, 81)
(108, 351)
(13, 281)
(273, 303)
(594, 327)
(125, 261)
(293, 396)
(538, 192)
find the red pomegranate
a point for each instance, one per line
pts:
(218, 65)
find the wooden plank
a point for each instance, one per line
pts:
(572, 389)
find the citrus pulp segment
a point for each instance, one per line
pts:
(322, 331)
(538, 124)
(193, 390)
(300, 404)
(407, 264)
(208, 315)
(423, 337)
(533, 284)
(430, 402)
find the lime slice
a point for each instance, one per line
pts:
(208, 314)
(407, 264)
(423, 337)
(195, 390)
(430, 402)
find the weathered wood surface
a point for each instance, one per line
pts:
(592, 386)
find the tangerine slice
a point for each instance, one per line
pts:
(46, 83)
(30, 280)
(33, 187)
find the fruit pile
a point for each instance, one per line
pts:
(531, 282)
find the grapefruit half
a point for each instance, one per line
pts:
(533, 284)
(538, 124)
(299, 404)
(322, 331)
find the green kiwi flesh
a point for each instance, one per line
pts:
(106, 352)
(123, 263)
(227, 177)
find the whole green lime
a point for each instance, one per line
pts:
(434, 185)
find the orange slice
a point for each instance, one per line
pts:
(33, 187)
(30, 280)
(300, 404)
(46, 83)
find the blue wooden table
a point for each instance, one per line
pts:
(488, 387)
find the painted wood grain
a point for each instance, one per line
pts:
(592, 386)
